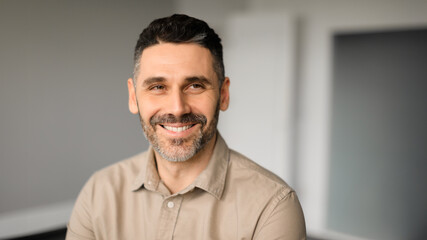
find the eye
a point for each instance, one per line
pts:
(195, 88)
(196, 85)
(157, 87)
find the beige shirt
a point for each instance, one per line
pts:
(233, 198)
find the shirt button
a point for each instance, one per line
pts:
(170, 204)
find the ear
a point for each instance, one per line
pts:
(225, 94)
(133, 106)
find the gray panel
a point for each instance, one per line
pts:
(379, 135)
(63, 94)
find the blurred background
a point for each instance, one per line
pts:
(330, 95)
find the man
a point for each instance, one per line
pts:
(189, 184)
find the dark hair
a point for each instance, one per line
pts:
(180, 28)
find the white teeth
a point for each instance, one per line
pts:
(177, 129)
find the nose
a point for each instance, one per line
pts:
(178, 104)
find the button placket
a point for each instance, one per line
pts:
(169, 217)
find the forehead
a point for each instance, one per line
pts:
(176, 60)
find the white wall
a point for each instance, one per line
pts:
(259, 65)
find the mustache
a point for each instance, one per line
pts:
(186, 118)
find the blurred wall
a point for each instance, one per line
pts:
(258, 54)
(63, 94)
(106, 65)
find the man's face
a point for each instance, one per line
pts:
(178, 98)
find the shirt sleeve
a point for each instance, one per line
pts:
(283, 219)
(80, 225)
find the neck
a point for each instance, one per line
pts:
(178, 175)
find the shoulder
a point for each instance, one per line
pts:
(245, 177)
(241, 166)
(120, 174)
(266, 196)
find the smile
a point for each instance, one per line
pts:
(177, 129)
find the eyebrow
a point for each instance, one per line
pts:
(200, 79)
(152, 80)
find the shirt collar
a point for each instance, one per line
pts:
(212, 179)
(148, 176)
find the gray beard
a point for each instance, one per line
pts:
(175, 150)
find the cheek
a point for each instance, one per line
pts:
(206, 106)
(146, 109)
